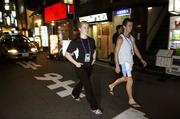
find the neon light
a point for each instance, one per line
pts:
(123, 12)
(55, 12)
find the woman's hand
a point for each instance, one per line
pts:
(144, 63)
(78, 64)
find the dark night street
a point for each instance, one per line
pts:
(41, 90)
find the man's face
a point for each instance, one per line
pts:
(128, 27)
(120, 30)
(84, 29)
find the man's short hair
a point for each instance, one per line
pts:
(126, 20)
(118, 27)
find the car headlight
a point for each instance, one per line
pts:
(34, 50)
(13, 51)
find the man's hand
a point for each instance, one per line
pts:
(144, 63)
(117, 69)
(78, 65)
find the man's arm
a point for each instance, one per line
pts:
(139, 55)
(117, 49)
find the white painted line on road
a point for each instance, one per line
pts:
(28, 64)
(59, 84)
(131, 113)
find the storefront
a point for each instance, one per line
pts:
(36, 30)
(174, 44)
(100, 30)
(174, 37)
(8, 17)
(60, 26)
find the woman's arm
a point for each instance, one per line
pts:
(94, 57)
(70, 58)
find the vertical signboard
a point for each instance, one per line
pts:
(1, 17)
(44, 36)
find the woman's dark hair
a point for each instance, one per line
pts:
(126, 20)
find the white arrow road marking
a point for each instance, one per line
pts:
(28, 64)
(58, 84)
(131, 113)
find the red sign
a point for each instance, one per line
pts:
(55, 12)
(70, 9)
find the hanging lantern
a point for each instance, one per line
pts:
(174, 7)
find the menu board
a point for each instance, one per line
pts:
(44, 36)
(54, 44)
(163, 58)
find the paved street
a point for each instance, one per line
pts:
(41, 89)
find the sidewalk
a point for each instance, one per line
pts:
(157, 72)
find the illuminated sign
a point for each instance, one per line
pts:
(13, 13)
(1, 17)
(44, 36)
(174, 6)
(6, 1)
(70, 9)
(12, 19)
(54, 44)
(94, 18)
(36, 31)
(8, 20)
(55, 12)
(15, 22)
(122, 12)
(6, 7)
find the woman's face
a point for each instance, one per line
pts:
(84, 29)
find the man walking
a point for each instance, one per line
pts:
(124, 51)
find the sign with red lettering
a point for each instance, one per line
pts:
(70, 9)
(55, 12)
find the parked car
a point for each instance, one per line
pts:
(17, 46)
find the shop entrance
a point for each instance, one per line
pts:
(100, 33)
